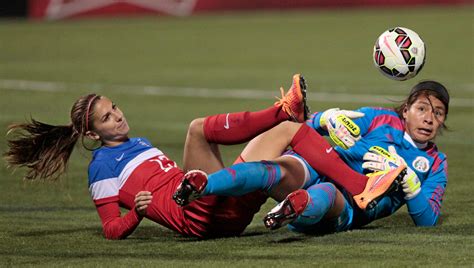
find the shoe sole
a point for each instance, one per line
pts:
(177, 196)
(394, 186)
(275, 220)
(303, 88)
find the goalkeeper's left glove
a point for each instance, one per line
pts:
(378, 159)
(342, 130)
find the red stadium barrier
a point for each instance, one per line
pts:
(60, 9)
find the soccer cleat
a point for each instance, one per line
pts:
(378, 184)
(190, 189)
(288, 210)
(294, 102)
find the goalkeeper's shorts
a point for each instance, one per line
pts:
(342, 223)
(311, 176)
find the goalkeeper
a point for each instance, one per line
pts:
(386, 139)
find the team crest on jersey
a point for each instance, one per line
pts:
(421, 164)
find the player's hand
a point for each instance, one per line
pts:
(342, 130)
(142, 200)
(378, 159)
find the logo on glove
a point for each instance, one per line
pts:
(349, 124)
(382, 152)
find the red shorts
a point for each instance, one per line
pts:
(217, 216)
(209, 216)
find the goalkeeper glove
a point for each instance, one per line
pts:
(342, 130)
(378, 159)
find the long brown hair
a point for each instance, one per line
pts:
(45, 149)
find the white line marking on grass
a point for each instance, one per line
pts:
(50, 86)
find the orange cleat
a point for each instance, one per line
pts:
(288, 210)
(294, 102)
(378, 184)
(190, 189)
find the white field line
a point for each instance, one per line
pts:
(50, 86)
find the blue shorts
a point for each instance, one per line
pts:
(311, 176)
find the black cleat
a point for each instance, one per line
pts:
(190, 188)
(287, 211)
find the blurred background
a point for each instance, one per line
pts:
(165, 62)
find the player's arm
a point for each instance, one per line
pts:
(423, 201)
(115, 226)
(425, 207)
(105, 195)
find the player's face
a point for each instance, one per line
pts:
(424, 118)
(110, 125)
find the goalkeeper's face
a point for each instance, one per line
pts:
(424, 118)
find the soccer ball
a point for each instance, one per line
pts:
(399, 53)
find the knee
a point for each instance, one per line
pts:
(288, 128)
(196, 127)
(327, 187)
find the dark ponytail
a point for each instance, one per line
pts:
(45, 149)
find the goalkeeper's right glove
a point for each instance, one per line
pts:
(378, 159)
(342, 130)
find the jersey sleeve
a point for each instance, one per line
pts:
(425, 208)
(115, 226)
(314, 122)
(365, 122)
(104, 190)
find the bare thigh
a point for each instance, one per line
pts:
(198, 152)
(292, 177)
(272, 143)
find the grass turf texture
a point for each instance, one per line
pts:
(55, 224)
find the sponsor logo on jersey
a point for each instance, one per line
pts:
(421, 164)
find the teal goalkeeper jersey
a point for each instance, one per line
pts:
(382, 127)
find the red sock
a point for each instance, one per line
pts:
(322, 157)
(235, 128)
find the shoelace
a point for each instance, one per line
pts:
(285, 102)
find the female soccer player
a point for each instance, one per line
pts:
(407, 132)
(131, 173)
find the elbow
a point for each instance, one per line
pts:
(111, 233)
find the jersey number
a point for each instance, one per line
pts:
(165, 164)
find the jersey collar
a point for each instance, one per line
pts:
(421, 146)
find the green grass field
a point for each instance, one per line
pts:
(163, 72)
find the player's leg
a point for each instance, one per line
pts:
(198, 152)
(278, 178)
(201, 151)
(305, 208)
(321, 156)
(236, 128)
(311, 146)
